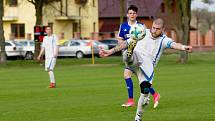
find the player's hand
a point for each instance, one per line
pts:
(104, 53)
(38, 58)
(188, 48)
(55, 55)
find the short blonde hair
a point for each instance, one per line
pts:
(159, 21)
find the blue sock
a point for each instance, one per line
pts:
(129, 84)
(151, 90)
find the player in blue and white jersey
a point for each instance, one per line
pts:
(50, 46)
(124, 36)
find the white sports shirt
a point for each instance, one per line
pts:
(153, 47)
(50, 45)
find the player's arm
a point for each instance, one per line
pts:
(179, 46)
(41, 53)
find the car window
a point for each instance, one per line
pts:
(74, 44)
(32, 44)
(23, 43)
(17, 44)
(7, 44)
(106, 41)
(114, 41)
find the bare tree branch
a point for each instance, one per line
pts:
(31, 1)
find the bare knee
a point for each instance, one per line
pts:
(127, 74)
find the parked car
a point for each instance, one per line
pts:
(77, 48)
(28, 47)
(110, 42)
(13, 49)
(99, 44)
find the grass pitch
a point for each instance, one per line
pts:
(95, 92)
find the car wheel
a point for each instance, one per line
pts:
(79, 54)
(29, 56)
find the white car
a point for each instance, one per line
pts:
(28, 48)
(77, 48)
(13, 49)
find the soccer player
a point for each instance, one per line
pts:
(50, 47)
(124, 36)
(145, 56)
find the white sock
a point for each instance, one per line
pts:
(142, 103)
(51, 76)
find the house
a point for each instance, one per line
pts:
(109, 13)
(109, 20)
(74, 18)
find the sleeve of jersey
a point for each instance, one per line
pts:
(168, 42)
(43, 43)
(121, 34)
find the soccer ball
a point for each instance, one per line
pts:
(137, 31)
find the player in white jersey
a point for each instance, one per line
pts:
(145, 56)
(124, 36)
(50, 47)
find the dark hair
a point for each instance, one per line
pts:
(132, 7)
(49, 27)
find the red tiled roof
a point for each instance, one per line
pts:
(111, 8)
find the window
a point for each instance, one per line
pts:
(94, 3)
(11, 3)
(94, 26)
(173, 5)
(162, 8)
(18, 30)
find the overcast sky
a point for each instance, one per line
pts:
(198, 4)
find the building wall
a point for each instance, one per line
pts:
(199, 40)
(86, 16)
(24, 13)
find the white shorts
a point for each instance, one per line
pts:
(146, 68)
(50, 64)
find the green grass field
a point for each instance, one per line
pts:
(95, 92)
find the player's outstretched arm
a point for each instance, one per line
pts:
(179, 46)
(120, 46)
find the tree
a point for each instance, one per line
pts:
(179, 14)
(39, 4)
(122, 10)
(2, 39)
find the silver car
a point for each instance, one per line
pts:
(77, 48)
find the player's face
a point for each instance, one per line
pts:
(132, 15)
(156, 30)
(48, 30)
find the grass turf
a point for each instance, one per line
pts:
(95, 92)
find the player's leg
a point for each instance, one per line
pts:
(143, 100)
(131, 46)
(156, 96)
(145, 76)
(50, 64)
(129, 84)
